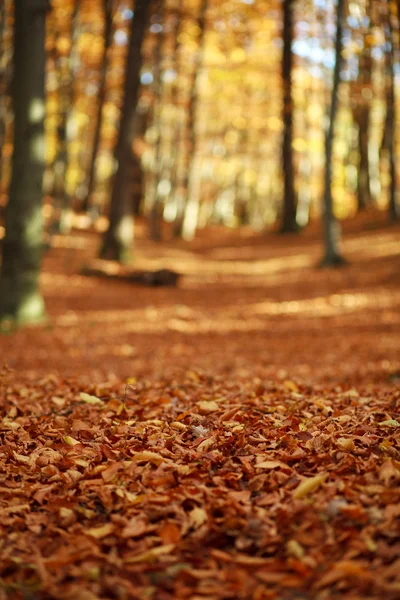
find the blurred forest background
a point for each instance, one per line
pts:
(194, 112)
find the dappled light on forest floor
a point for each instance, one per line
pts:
(275, 308)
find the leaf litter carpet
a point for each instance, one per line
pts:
(235, 437)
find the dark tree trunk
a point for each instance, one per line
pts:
(186, 224)
(118, 239)
(108, 23)
(331, 226)
(289, 194)
(175, 175)
(20, 298)
(61, 199)
(362, 118)
(363, 179)
(3, 84)
(157, 206)
(391, 117)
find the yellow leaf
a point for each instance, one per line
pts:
(178, 426)
(346, 444)
(150, 555)
(290, 386)
(70, 440)
(206, 407)
(271, 464)
(309, 485)
(205, 444)
(389, 423)
(295, 549)
(148, 456)
(90, 399)
(197, 517)
(102, 531)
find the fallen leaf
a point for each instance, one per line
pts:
(70, 441)
(148, 456)
(170, 533)
(271, 464)
(88, 399)
(205, 444)
(309, 485)
(346, 444)
(150, 555)
(197, 517)
(135, 528)
(389, 423)
(207, 406)
(102, 531)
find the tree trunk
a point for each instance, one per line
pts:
(391, 117)
(61, 222)
(363, 179)
(157, 205)
(331, 226)
(108, 22)
(20, 298)
(118, 239)
(289, 194)
(188, 224)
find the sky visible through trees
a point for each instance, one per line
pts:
(233, 60)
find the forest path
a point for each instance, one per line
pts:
(247, 304)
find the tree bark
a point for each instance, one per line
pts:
(61, 222)
(289, 223)
(157, 204)
(391, 118)
(361, 115)
(363, 179)
(118, 240)
(20, 298)
(331, 226)
(108, 22)
(186, 224)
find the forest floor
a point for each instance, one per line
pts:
(255, 451)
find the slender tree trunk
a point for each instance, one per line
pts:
(391, 117)
(363, 178)
(361, 115)
(61, 220)
(156, 212)
(3, 85)
(118, 240)
(289, 194)
(188, 224)
(108, 25)
(331, 226)
(20, 298)
(175, 174)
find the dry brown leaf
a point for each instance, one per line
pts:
(135, 528)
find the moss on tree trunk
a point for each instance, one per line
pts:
(20, 298)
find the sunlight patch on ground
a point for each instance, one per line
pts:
(229, 318)
(327, 305)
